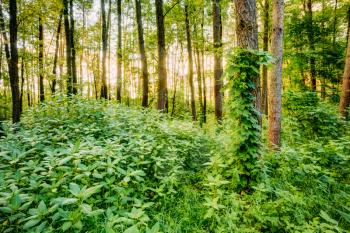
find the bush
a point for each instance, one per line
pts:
(78, 165)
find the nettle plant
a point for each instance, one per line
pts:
(242, 73)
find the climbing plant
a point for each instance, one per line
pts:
(242, 72)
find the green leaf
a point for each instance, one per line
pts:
(86, 209)
(31, 223)
(66, 226)
(326, 217)
(74, 189)
(132, 229)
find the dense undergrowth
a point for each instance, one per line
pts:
(87, 166)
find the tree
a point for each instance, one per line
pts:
(162, 72)
(247, 36)
(266, 29)
(144, 64)
(72, 47)
(13, 71)
(190, 63)
(119, 51)
(41, 61)
(54, 69)
(68, 48)
(275, 81)
(345, 94)
(311, 37)
(218, 70)
(104, 51)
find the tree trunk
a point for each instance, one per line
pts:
(74, 68)
(104, 94)
(68, 48)
(143, 54)
(162, 72)
(22, 74)
(13, 71)
(311, 37)
(54, 69)
(190, 64)
(247, 38)
(119, 52)
(218, 70)
(275, 81)
(345, 94)
(264, 102)
(41, 61)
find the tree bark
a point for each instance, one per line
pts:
(345, 94)
(190, 64)
(74, 67)
(162, 72)
(266, 29)
(247, 38)
(218, 70)
(68, 48)
(275, 81)
(143, 54)
(119, 52)
(310, 32)
(41, 61)
(54, 69)
(13, 71)
(104, 94)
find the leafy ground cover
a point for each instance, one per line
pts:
(75, 165)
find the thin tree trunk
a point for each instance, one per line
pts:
(162, 72)
(311, 44)
(119, 52)
(143, 54)
(345, 94)
(54, 69)
(264, 102)
(190, 64)
(73, 52)
(104, 93)
(218, 70)
(275, 81)
(41, 61)
(22, 73)
(13, 72)
(68, 48)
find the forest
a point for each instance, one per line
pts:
(171, 116)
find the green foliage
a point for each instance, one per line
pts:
(243, 72)
(76, 165)
(311, 118)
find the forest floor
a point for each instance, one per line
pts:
(76, 165)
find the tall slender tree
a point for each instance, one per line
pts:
(190, 63)
(13, 71)
(311, 37)
(72, 47)
(345, 94)
(218, 70)
(54, 69)
(162, 72)
(266, 29)
(119, 51)
(68, 48)
(41, 61)
(144, 65)
(275, 81)
(104, 92)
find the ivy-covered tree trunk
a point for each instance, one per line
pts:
(247, 38)
(13, 71)
(162, 72)
(104, 51)
(345, 94)
(218, 70)
(41, 61)
(275, 80)
(190, 64)
(142, 53)
(119, 52)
